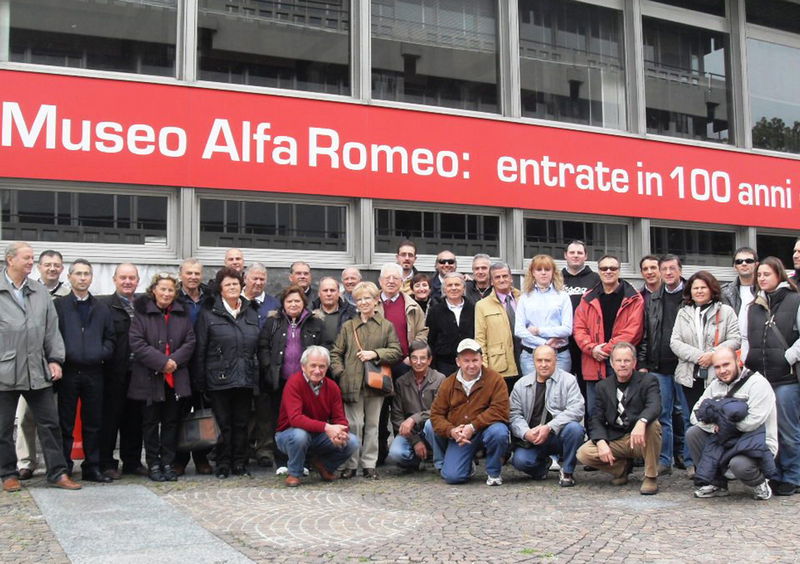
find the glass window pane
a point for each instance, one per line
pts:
(572, 63)
(294, 44)
(41, 215)
(774, 80)
(694, 246)
(436, 52)
(137, 37)
(781, 246)
(271, 225)
(716, 7)
(464, 234)
(549, 236)
(686, 84)
(774, 13)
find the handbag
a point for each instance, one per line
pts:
(198, 430)
(377, 377)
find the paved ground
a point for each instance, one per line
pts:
(404, 519)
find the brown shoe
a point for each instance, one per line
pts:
(112, 473)
(25, 474)
(203, 468)
(292, 481)
(622, 478)
(11, 484)
(324, 473)
(649, 486)
(65, 483)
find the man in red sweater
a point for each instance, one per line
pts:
(311, 421)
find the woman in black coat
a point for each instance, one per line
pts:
(287, 332)
(162, 342)
(226, 367)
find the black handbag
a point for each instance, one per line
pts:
(198, 430)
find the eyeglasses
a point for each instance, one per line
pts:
(744, 261)
(607, 268)
(446, 261)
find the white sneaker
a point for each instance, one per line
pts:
(494, 480)
(710, 491)
(281, 471)
(554, 465)
(305, 471)
(762, 491)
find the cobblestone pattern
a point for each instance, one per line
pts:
(24, 533)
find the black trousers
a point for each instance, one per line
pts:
(45, 413)
(199, 456)
(275, 397)
(160, 421)
(232, 411)
(398, 369)
(121, 416)
(85, 384)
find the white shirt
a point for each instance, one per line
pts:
(456, 309)
(467, 383)
(234, 312)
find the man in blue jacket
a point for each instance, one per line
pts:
(88, 332)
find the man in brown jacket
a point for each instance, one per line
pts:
(471, 412)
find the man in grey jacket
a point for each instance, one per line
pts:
(546, 412)
(30, 360)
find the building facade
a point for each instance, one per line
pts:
(153, 130)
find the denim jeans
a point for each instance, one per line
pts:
(457, 464)
(402, 453)
(671, 392)
(787, 399)
(535, 461)
(298, 444)
(563, 361)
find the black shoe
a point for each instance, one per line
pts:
(169, 473)
(680, 463)
(370, 474)
(156, 473)
(223, 472)
(95, 475)
(241, 470)
(782, 488)
(589, 469)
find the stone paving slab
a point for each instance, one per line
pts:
(103, 524)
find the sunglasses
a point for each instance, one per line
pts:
(744, 261)
(607, 268)
(446, 261)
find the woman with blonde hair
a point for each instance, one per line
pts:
(544, 313)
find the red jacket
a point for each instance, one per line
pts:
(588, 327)
(302, 409)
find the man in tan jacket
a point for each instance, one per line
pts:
(471, 412)
(494, 325)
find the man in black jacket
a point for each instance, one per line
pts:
(88, 333)
(120, 414)
(624, 423)
(449, 322)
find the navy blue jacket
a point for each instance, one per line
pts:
(269, 304)
(90, 345)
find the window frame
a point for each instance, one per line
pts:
(102, 252)
(720, 272)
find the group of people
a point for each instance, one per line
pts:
(576, 366)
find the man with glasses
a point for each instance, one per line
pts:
(414, 392)
(655, 354)
(406, 258)
(445, 262)
(739, 293)
(609, 313)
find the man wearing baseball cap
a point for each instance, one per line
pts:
(471, 412)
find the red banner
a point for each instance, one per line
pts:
(68, 128)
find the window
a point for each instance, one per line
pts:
(686, 86)
(550, 236)
(774, 13)
(82, 217)
(295, 44)
(694, 246)
(272, 225)
(716, 7)
(781, 246)
(572, 63)
(136, 37)
(463, 234)
(436, 52)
